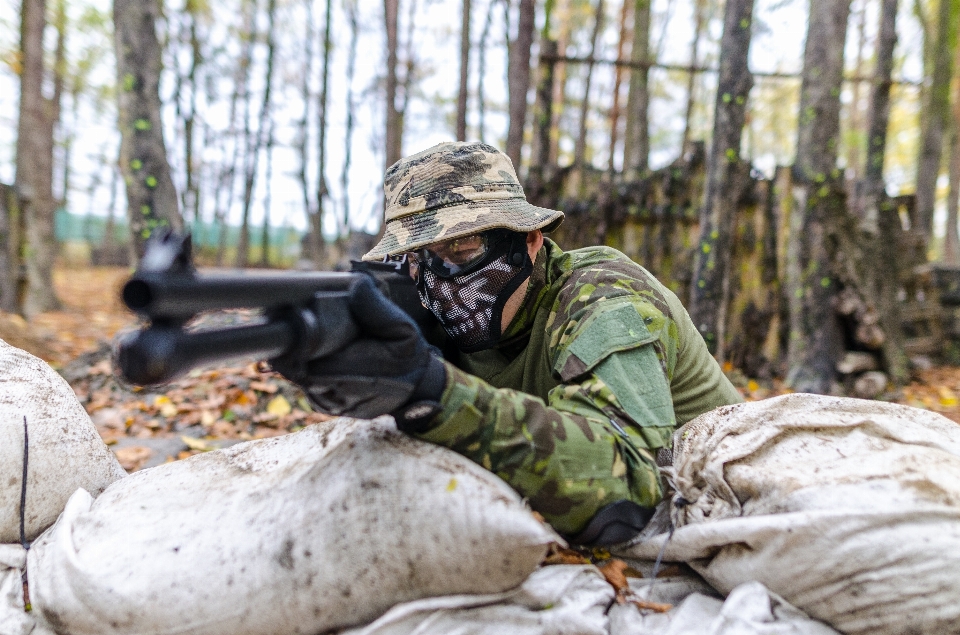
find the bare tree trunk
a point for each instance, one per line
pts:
(9, 256)
(464, 73)
(880, 221)
(814, 332)
(636, 140)
(951, 250)
(711, 290)
(936, 119)
(34, 179)
(109, 240)
(580, 150)
(617, 81)
(543, 107)
(314, 238)
(343, 227)
(518, 81)
(393, 149)
(854, 159)
(560, 74)
(263, 125)
(699, 10)
(409, 64)
(267, 199)
(59, 72)
(191, 197)
(323, 100)
(151, 195)
(482, 72)
(227, 175)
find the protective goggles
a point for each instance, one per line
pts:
(460, 256)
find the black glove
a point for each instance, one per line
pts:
(387, 368)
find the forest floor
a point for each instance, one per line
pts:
(216, 407)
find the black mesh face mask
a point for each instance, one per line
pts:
(469, 303)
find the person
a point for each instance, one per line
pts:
(564, 373)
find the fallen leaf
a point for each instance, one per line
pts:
(948, 398)
(196, 444)
(263, 386)
(279, 406)
(561, 555)
(133, 457)
(613, 571)
(657, 607)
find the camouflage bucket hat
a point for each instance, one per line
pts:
(453, 190)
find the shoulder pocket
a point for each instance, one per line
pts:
(617, 325)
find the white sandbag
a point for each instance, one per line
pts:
(554, 600)
(13, 619)
(848, 509)
(65, 451)
(750, 609)
(325, 528)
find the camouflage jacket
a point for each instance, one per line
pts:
(596, 370)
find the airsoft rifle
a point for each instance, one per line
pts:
(303, 315)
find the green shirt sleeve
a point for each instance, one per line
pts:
(698, 384)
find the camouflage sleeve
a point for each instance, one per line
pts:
(569, 457)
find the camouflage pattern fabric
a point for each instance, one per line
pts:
(453, 190)
(600, 366)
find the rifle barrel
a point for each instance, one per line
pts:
(164, 296)
(161, 353)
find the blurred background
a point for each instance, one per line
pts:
(791, 168)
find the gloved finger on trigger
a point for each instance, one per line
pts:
(375, 313)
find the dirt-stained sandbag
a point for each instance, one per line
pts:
(321, 529)
(848, 509)
(65, 451)
(555, 600)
